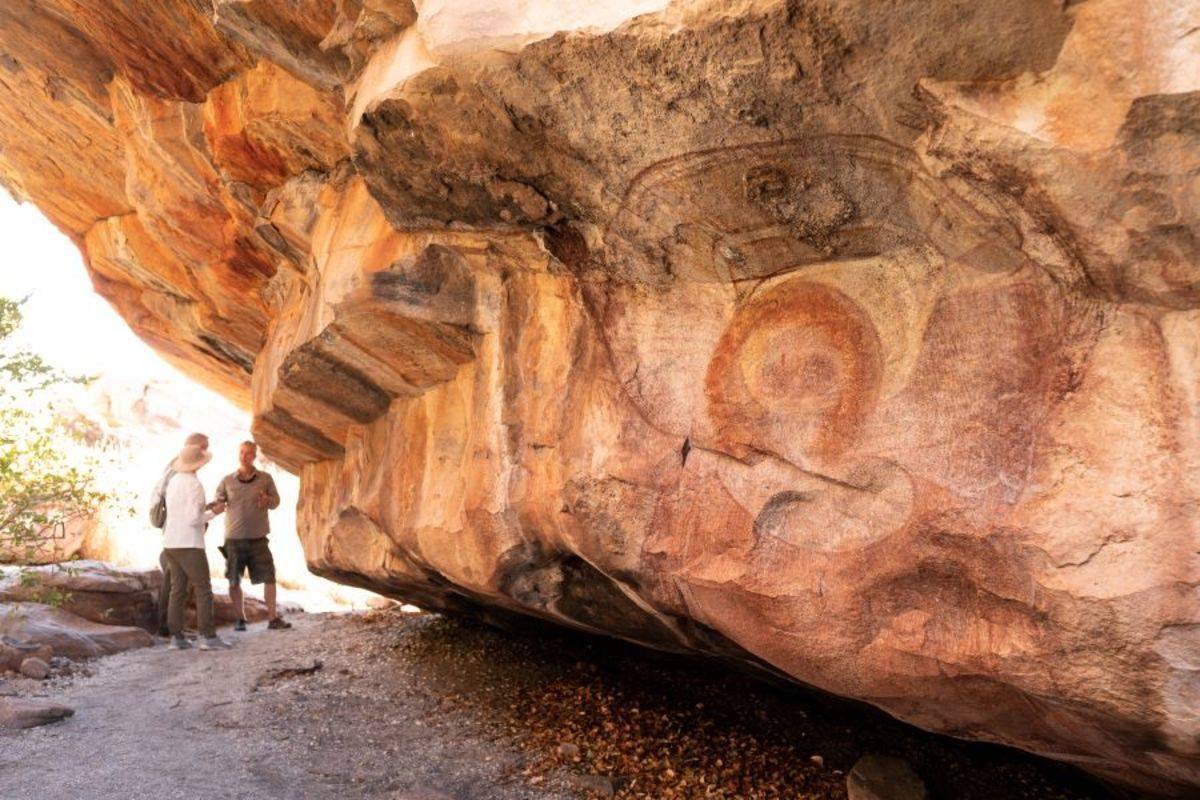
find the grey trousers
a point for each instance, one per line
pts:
(189, 566)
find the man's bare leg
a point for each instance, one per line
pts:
(235, 595)
(274, 621)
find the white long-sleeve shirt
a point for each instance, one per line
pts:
(186, 514)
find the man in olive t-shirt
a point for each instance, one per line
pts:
(248, 495)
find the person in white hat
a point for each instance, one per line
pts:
(164, 589)
(183, 545)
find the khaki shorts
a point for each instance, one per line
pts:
(253, 555)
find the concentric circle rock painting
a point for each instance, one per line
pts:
(856, 308)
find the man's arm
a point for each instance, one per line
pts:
(272, 493)
(222, 494)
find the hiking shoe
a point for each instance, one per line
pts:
(214, 643)
(179, 643)
(279, 624)
(240, 626)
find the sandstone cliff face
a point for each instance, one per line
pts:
(857, 341)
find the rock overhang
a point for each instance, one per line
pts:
(845, 339)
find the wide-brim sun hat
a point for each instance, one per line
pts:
(191, 458)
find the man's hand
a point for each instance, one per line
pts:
(264, 499)
(217, 506)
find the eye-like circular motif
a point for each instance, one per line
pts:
(795, 373)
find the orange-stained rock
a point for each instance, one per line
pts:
(856, 341)
(53, 82)
(265, 126)
(167, 48)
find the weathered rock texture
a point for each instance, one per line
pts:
(855, 340)
(92, 590)
(17, 713)
(66, 634)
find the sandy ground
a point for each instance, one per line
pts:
(414, 707)
(163, 724)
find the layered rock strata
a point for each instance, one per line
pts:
(856, 341)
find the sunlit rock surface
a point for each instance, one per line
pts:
(853, 340)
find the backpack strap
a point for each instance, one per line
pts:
(160, 491)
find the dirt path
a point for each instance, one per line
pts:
(412, 707)
(162, 724)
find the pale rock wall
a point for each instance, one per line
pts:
(853, 341)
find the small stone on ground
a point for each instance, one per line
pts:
(35, 668)
(876, 777)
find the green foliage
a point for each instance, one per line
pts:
(21, 370)
(48, 595)
(44, 484)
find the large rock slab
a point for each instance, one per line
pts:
(856, 341)
(65, 633)
(17, 713)
(93, 590)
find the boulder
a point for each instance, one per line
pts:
(10, 657)
(13, 653)
(18, 712)
(65, 633)
(35, 668)
(876, 777)
(853, 340)
(90, 589)
(77, 538)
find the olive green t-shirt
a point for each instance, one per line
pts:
(244, 518)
